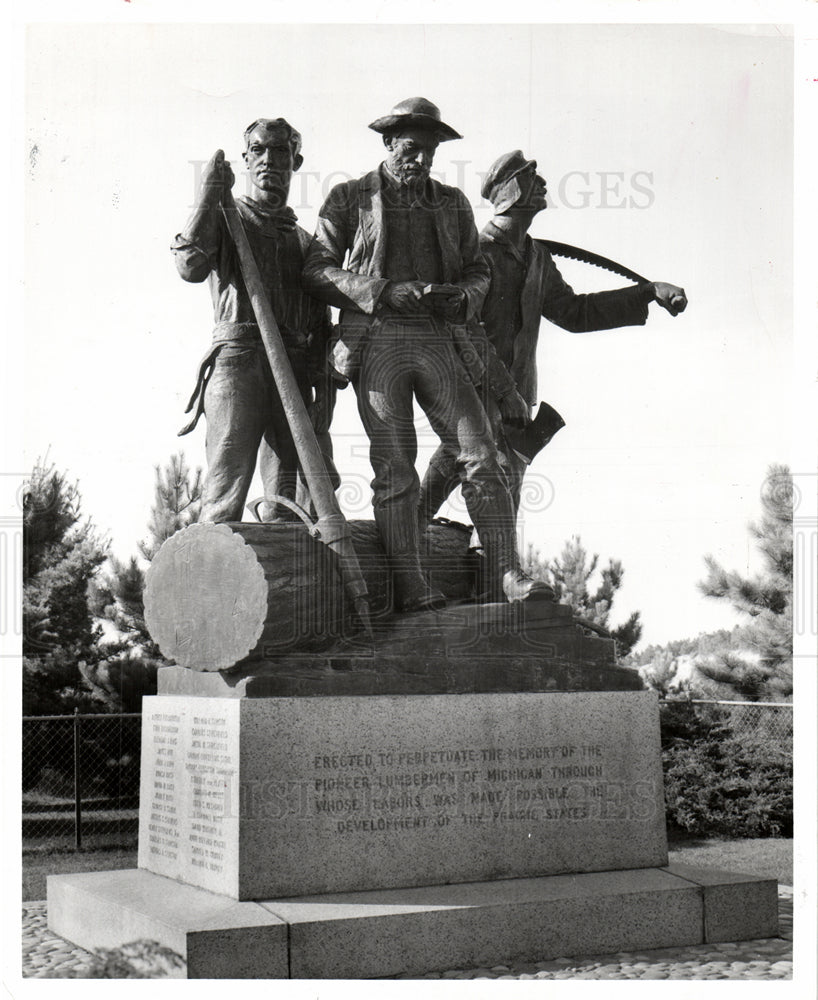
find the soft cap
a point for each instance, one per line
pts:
(501, 186)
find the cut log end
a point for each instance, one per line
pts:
(220, 594)
(206, 597)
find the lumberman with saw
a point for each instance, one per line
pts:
(413, 280)
(525, 285)
(235, 389)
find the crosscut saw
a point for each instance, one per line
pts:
(589, 257)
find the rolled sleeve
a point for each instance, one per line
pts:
(324, 275)
(193, 262)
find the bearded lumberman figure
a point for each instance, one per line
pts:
(400, 339)
(235, 388)
(525, 286)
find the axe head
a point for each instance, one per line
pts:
(529, 441)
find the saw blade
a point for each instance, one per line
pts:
(589, 257)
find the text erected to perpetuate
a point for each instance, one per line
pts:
(403, 789)
(409, 789)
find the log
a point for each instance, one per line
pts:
(217, 595)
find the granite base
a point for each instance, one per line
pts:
(367, 935)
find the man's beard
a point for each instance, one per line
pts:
(408, 175)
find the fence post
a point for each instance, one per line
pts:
(77, 780)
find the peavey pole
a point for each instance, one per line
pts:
(331, 527)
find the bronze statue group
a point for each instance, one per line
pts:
(429, 310)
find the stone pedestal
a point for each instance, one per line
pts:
(282, 796)
(378, 835)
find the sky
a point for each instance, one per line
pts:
(666, 147)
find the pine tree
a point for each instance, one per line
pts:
(61, 554)
(660, 672)
(570, 576)
(131, 664)
(766, 599)
(177, 503)
(119, 597)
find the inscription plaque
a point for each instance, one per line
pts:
(190, 778)
(385, 790)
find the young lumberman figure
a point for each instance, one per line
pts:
(235, 388)
(525, 285)
(414, 278)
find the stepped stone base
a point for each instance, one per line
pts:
(388, 932)
(462, 649)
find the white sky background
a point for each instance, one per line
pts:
(670, 427)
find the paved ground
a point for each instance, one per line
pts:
(46, 956)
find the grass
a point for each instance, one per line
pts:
(767, 858)
(40, 862)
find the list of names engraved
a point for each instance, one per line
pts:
(210, 771)
(163, 822)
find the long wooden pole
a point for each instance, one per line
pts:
(331, 527)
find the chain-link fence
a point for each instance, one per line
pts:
(80, 780)
(81, 772)
(762, 721)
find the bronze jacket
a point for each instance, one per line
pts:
(352, 221)
(526, 287)
(279, 246)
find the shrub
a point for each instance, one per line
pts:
(137, 960)
(718, 783)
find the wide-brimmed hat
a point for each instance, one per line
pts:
(500, 185)
(417, 112)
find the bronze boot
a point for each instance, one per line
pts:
(492, 513)
(398, 528)
(434, 492)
